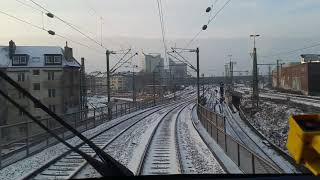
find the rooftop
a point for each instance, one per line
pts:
(36, 56)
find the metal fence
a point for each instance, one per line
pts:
(245, 159)
(20, 140)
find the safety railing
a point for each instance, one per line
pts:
(245, 159)
(23, 139)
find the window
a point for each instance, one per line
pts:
(57, 59)
(15, 60)
(53, 59)
(36, 86)
(19, 60)
(23, 60)
(49, 60)
(21, 77)
(50, 75)
(21, 113)
(36, 106)
(52, 108)
(36, 72)
(21, 96)
(51, 92)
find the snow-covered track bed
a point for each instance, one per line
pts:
(300, 99)
(194, 154)
(161, 156)
(69, 164)
(261, 149)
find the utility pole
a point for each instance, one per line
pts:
(133, 88)
(202, 85)
(231, 63)
(269, 75)
(154, 88)
(278, 73)
(83, 90)
(255, 81)
(226, 72)
(174, 89)
(198, 71)
(108, 85)
(231, 69)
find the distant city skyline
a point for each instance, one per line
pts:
(283, 25)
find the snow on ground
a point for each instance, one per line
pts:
(272, 121)
(236, 127)
(25, 166)
(97, 101)
(197, 158)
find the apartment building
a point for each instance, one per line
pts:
(49, 73)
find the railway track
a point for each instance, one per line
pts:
(246, 139)
(161, 155)
(69, 164)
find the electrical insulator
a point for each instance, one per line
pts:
(50, 15)
(204, 27)
(208, 9)
(51, 32)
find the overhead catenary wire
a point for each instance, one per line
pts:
(291, 51)
(68, 24)
(74, 27)
(48, 31)
(28, 5)
(209, 21)
(162, 28)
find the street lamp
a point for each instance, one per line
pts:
(254, 39)
(255, 82)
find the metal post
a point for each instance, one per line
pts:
(108, 85)
(133, 88)
(252, 163)
(27, 136)
(1, 140)
(116, 110)
(255, 81)
(198, 71)
(203, 85)
(278, 73)
(238, 151)
(94, 117)
(47, 123)
(270, 75)
(154, 89)
(129, 107)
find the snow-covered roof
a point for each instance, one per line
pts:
(36, 56)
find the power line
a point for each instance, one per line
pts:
(69, 24)
(48, 31)
(162, 27)
(21, 20)
(218, 11)
(292, 51)
(209, 21)
(28, 5)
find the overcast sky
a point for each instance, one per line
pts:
(283, 24)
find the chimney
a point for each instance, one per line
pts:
(12, 49)
(68, 52)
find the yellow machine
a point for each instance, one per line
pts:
(304, 141)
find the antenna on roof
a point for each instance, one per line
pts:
(66, 43)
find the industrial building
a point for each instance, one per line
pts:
(302, 78)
